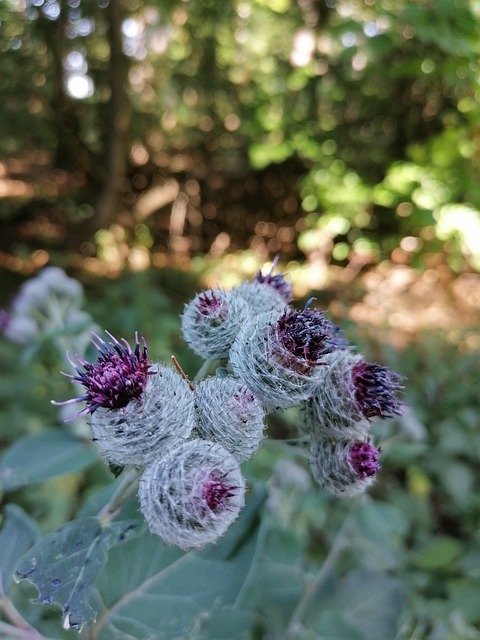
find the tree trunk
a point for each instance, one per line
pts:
(118, 120)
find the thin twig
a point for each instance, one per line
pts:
(178, 367)
(10, 631)
(15, 617)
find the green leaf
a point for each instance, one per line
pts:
(149, 590)
(464, 597)
(40, 456)
(277, 578)
(18, 533)
(438, 554)
(368, 601)
(332, 626)
(65, 564)
(378, 534)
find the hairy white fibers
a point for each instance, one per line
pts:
(211, 321)
(191, 496)
(141, 431)
(343, 467)
(278, 378)
(229, 413)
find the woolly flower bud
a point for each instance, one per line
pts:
(352, 392)
(343, 467)
(265, 293)
(192, 495)
(332, 410)
(281, 362)
(118, 376)
(162, 416)
(211, 321)
(259, 297)
(229, 413)
(276, 282)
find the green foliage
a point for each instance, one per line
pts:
(377, 103)
(65, 564)
(402, 562)
(18, 533)
(51, 453)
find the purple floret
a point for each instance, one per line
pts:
(375, 390)
(118, 376)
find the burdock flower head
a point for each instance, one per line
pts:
(163, 416)
(282, 361)
(190, 496)
(376, 389)
(229, 413)
(118, 376)
(211, 321)
(266, 292)
(301, 339)
(344, 467)
(351, 393)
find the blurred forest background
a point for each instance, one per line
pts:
(152, 148)
(339, 135)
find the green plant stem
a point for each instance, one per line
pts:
(9, 631)
(313, 588)
(19, 627)
(125, 488)
(290, 446)
(207, 367)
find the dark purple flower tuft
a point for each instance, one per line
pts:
(210, 305)
(118, 376)
(364, 459)
(375, 390)
(217, 491)
(305, 335)
(277, 282)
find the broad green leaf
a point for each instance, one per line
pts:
(17, 534)
(439, 553)
(277, 579)
(333, 626)
(459, 479)
(378, 534)
(149, 590)
(227, 623)
(40, 456)
(368, 601)
(65, 564)
(464, 597)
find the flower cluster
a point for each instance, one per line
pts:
(46, 305)
(337, 420)
(188, 440)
